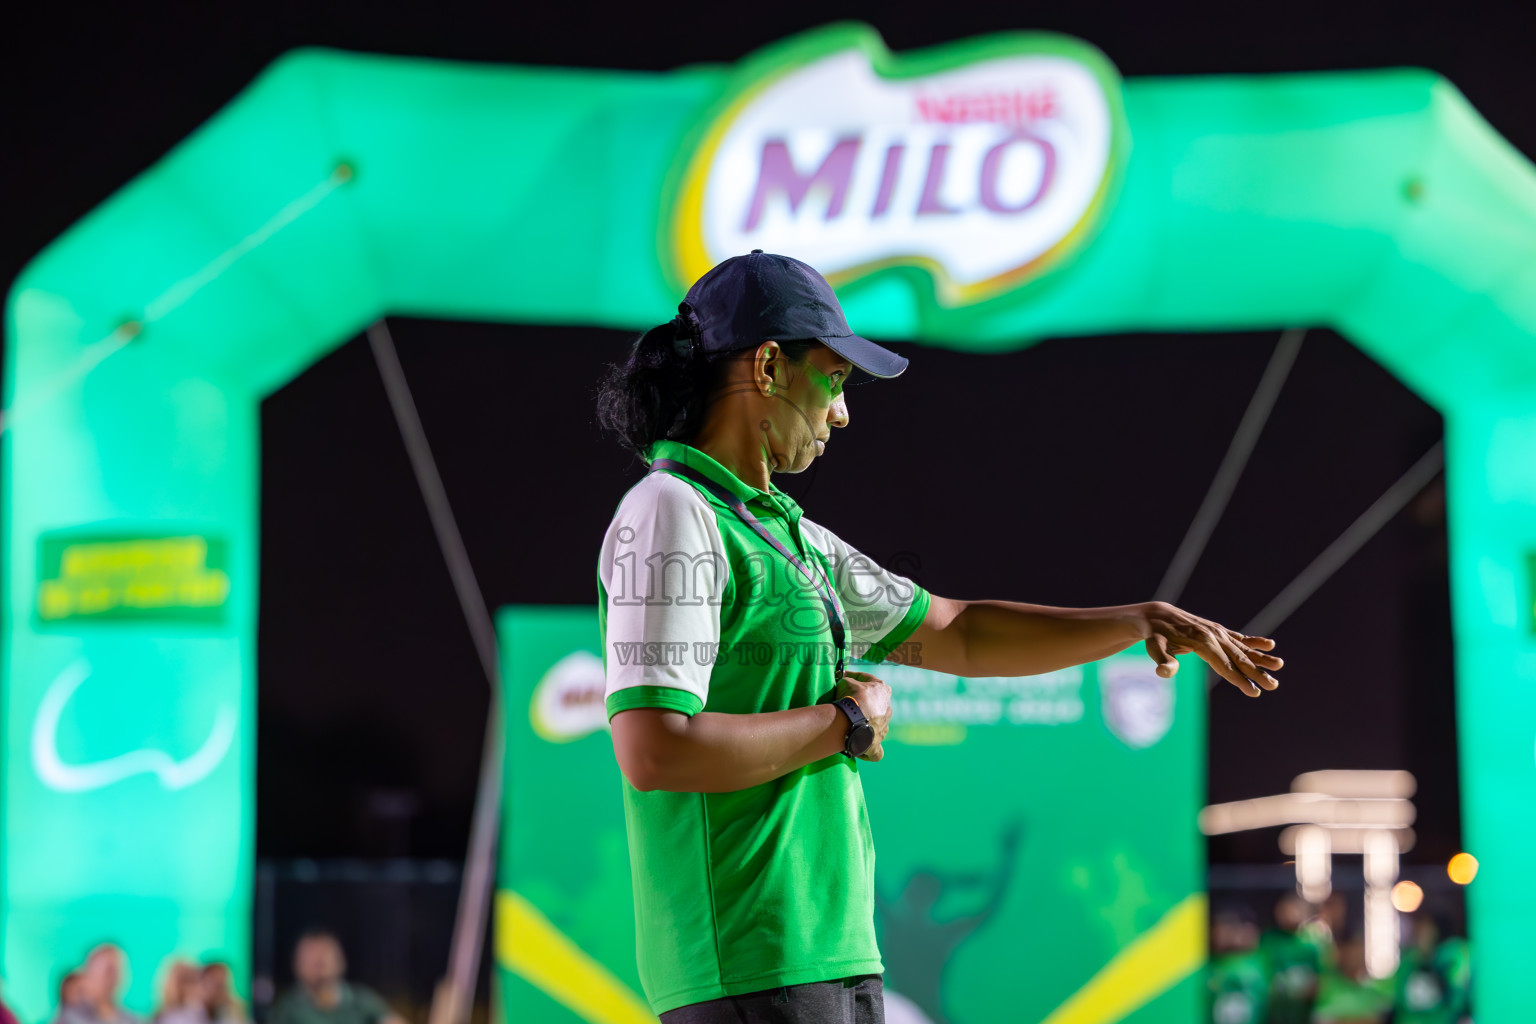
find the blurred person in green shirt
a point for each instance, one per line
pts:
(1346, 994)
(1294, 960)
(1434, 978)
(1239, 973)
(323, 995)
(1326, 928)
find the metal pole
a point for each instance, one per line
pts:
(455, 994)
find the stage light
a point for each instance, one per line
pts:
(1462, 868)
(1379, 785)
(1406, 896)
(1314, 863)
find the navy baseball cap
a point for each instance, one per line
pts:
(750, 299)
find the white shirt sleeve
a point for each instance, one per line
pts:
(881, 608)
(664, 571)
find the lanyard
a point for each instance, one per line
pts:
(818, 580)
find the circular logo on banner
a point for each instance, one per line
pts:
(983, 163)
(568, 702)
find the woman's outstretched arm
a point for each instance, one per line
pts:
(1009, 638)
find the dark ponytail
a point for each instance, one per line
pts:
(660, 391)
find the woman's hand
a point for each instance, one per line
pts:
(874, 697)
(1240, 660)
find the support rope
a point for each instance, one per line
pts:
(1351, 540)
(170, 300)
(1232, 465)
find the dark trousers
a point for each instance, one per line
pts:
(849, 1001)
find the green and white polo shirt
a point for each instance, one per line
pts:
(773, 885)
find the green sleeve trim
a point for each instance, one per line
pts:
(916, 612)
(669, 698)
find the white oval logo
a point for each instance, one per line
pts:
(983, 174)
(568, 702)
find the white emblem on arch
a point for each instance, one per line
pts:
(57, 774)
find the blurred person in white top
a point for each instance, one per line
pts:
(217, 989)
(180, 998)
(101, 980)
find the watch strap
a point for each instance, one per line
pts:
(856, 719)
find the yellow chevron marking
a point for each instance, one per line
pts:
(528, 945)
(1154, 962)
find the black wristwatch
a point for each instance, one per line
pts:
(861, 735)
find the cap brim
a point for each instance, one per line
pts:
(867, 356)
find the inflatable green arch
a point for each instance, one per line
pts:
(340, 187)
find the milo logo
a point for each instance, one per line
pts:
(982, 163)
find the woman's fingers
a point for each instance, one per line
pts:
(1241, 660)
(1256, 648)
(1214, 653)
(1244, 662)
(1157, 647)
(1244, 674)
(1257, 643)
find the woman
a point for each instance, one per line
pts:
(727, 619)
(95, 999)
(180, 998)
(216, 989)
(69, 995)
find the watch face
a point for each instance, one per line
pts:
(860, 738)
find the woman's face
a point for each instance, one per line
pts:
(806, 401)
(102, 975)
(217, 988)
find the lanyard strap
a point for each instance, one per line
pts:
(818, 580)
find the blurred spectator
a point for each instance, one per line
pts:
(1333, 913)
(180, 1001)
(1434, 978)
(6, 1016)
(1239, 975)
(1346, 994)
(323, 995)
(100, 980)
(217, 989)
(1294, 961)
(1329, 920)
(69, 993)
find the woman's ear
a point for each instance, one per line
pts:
(766, 367)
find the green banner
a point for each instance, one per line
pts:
(1037, 853)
